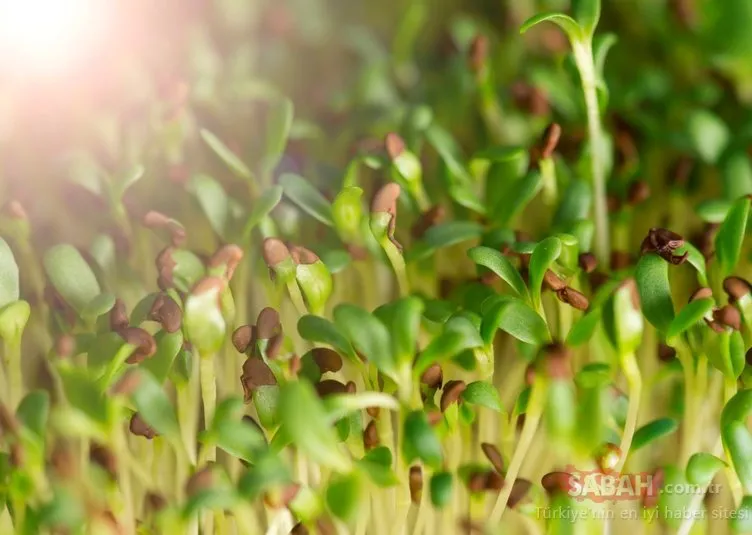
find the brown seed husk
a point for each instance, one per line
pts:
(666, 353)
(587, 262)
(267, 323)
(556, 482)
(274, 345)
(451, 393)
(394, 145)
(328, 387)
(202, 480)
(65, 345)
(494, 481)
(274, 252)
(167, 312)
(105, 458)
(701, 293)
(118, 316)
(550, 140)
(520, 489)
(256, 373)
(493, 454)
(385, 199)
(736, 288)
(154, 502)
(638, 192)
(127, 384)
(416, 484)
(299, 529)
(140, 428)
(478, 53)
(433, 376)
(326, 359)
(558, 361)
(208, 284)
(302, 256)
(729, 316)
(373, 412)
(144, 343)
(573, 298)
(552, 281)
(620, 260)
(476, 482)
(371, 436)
(243, 337)
(228, 255)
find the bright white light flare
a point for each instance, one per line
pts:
(46, 36)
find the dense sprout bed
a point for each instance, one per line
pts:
(456, 278)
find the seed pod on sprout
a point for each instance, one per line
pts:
(313, 278)
(384, 213)
(433, 376)
(573, 298)
(416, 484)
(167, 312)
(451, 393)
(157, 220)
(371, 436)
(143, 342)
(550, 140)
(118, 316)
(587, 262)
(140, 428)
(326, 359)
(256, 373)
(244, 338)
(267, 323)
(278, 259)
(493, 454)
(737, 288)
(227, 257)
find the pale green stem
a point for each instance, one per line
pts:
(297, 297)
(398, 264)
(689, 520)
(583, 55)
(209, 397)
(532, 419)
(12, 352)
(634, 380)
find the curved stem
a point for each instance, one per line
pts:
(532, 419)
(632, 372)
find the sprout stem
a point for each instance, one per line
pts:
(632, 372)
(398, 264)
(583, 55)
(209, 397)
(532, 419)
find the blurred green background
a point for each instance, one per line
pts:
(354, 69)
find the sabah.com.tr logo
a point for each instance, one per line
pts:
(601, 486)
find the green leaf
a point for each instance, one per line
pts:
(402, 318)
(688, 316)
(9, 288)
(651, 432)
(444, 235)
(262, 207)
(544, 254)
(709, 135)
(101, 304)
(82, 392)
(736, 172)
(368, 335)
(441, 489)
(741, 520)
(307, 425)
(420, 440)
(235, 164)
(499, 264)
(713, 210)
(343, 495)
(565, 22)
(168, 347)
(266, 401)
(203, 321)
(279, 123)
(584, 328)
(696, 260)
(269, 471)
(347, 213)
(339, 406)
(449, 151)
(13, 320)
(377, 465)
(213, 200)
(71, 276)
(321, 330)
(728, 241)
(655, 292)
(154, 406)
(521, 193)
(517, 318)
(33, 412)
(302, 193)
(702, 467)
(737, 440)
(459, 335)
(587, 13)
(484, 394)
